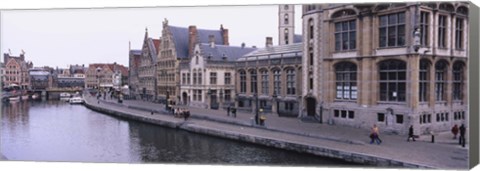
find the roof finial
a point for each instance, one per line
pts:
(221, 26)
(146, 29)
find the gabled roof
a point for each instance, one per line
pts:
(180, 36)
(232, 53)
(152, 48)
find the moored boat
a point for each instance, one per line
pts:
(76, 100)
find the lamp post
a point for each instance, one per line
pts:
(221, 98)
(275, 105)
(255, 95)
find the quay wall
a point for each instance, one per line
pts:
(270, 142)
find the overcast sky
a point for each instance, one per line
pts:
(60, 37)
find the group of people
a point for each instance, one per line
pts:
(181, 112)
(233, 110)
(374, 134)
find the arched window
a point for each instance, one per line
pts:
(243, 82)
(424, 79)
(264, 75)
(285, 19)
(194, 76)
(196, 59)
(459, 27)
(290, 81)
(440, 80)
(253, 81)
(346, 80)
(458, 81)
(392, 80)
(200, 76)
(310, 28)
(276, 82)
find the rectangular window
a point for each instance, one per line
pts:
(345, 35)
(442, 31)
(344, 114)
(228, 95)
(392, 30)
(228, 78)
(351, 114)
(446, 116)
(423, 81)
(438, 117)
(184, 79)
(188, 78)
(243, 82)
(291, 82)
(459, 33)
(213, 78)
(336, 113)
(253, 81)
(399, 119)
(200, 78)
(194, 78)
(276, 82)
(424, 22)
(199, 95)
(265, 82)
(381, 117)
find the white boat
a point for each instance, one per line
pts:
(35, 96)
(65, 95)
(15, 98)
(25, 97)
(76, 100)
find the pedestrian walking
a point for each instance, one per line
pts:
(455, 131)
(410, 133)
(228, 111)
(234, 112)
(187, 114)
(462, 135)
(374, 135)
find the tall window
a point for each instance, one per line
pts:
(423, 80)
(285, 19)
(228, 95)
(213, 78)
(457, 81)
(253, 81)
(184, 78)
(286, 36)
(392, 30)
(346, 80)
(194, 77)
(264, 81)
(276, 82)
(392, 80)
(243, 82)
(345, 35)
(442, 31)
(459, 33)
(291, 82)
(440, 80)
(228, 78)
(199, 77)
(188, 78)
(424, 28)
(310, 28)
(310, 56)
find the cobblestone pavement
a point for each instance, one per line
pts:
(444, 153)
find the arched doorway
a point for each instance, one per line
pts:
(185, 98)
(311, 104)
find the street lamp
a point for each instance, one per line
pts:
(255, 95)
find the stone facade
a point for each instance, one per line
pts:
(146, 71)
(177, 45)
(273, 74)
(393, 65)
(208, 78)
(286, 24)
(16, 70)
(101, 76)
(134, 64)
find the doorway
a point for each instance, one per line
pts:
(311, 104)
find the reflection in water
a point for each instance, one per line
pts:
(58, 131)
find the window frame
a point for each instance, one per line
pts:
(396, 34)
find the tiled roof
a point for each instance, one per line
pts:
(274, 51)
(153, 49)
(181, 35)
(156, 43)
(297, 38)
(136, 52)
(232, 53)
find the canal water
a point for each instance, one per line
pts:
(58, 131)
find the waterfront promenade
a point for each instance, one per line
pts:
(341, 142)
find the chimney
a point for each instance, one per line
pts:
(268, 42)
(192, 39)
(243, 45)
(224, 35)
(211, 40)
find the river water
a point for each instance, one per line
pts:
(58, 131)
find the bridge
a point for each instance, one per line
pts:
(54, 93)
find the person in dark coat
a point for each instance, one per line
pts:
(228, 111)
(410, 133)
(462, 135)
(455, 131)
